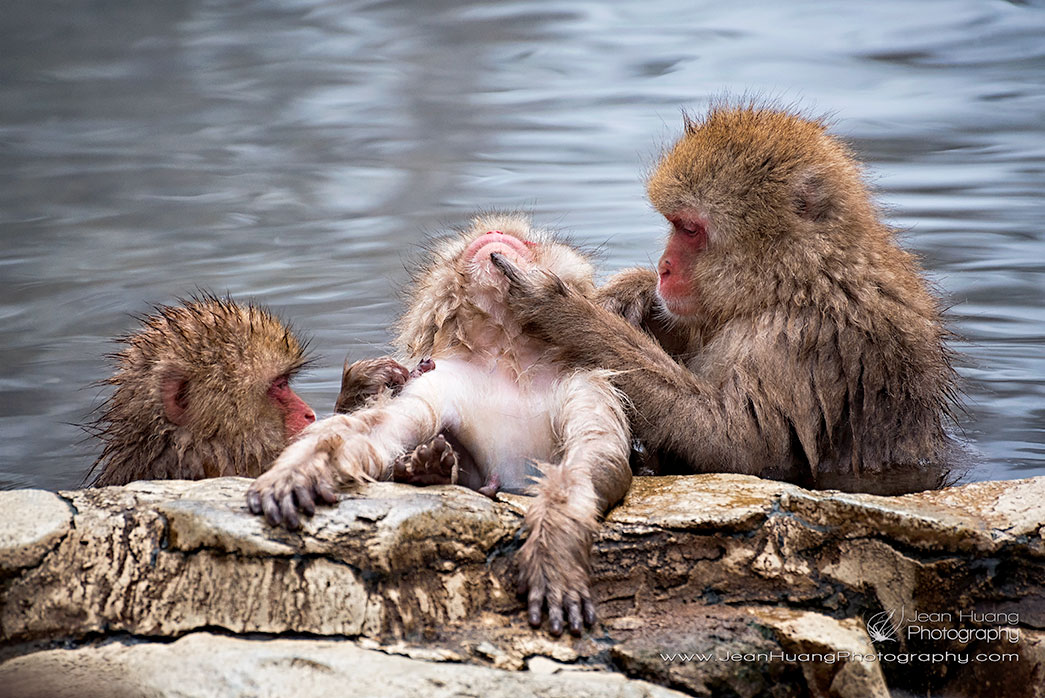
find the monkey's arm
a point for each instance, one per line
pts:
(555, 560)
(343, 449)
(712, 426)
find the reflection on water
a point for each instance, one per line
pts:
(296, 151)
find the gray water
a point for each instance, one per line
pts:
(297, 151)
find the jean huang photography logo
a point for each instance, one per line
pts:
(958, 626)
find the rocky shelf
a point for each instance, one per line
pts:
(707, 585)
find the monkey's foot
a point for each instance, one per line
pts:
(365, 379)
(433, 463)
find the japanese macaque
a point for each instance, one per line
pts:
(786, 333)
(202, 390)
(500, 394)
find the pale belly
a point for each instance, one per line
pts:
(505, 426)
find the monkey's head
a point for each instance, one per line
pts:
(458, 299)
(208, 381)
(755, 189)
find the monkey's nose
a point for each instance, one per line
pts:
(664, 268)
(310, 416)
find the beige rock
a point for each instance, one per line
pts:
(704, 565)
(203, 665)
(34, 521)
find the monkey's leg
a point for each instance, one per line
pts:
(343, 449)
(555, 560)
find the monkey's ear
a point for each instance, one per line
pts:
(812, 196)
(174, 392)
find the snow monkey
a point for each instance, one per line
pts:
(202, 390)
(502, 395)
(784, 333)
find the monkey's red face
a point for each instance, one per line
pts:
(688, 240)
(296, 413)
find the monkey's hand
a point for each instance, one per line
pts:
(555, 560)
(365, 379)
(307, 470)
(632, 294)
(433, 463)
(538, 298)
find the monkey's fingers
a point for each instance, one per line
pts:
(512, 272)
(326, 490)
(304, 499)
(271, 508)
(554, 600)
(573, 612)
(254, 502)
(536, 603)
(589, 607)
(289, 511)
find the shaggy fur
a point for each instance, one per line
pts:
(226, 355)
(813, 350)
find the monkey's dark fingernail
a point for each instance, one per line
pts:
(589, 612)
(290, 512)
(535, 614)
(271, 509)
(304, 500)
(506, 267)
(573, 613)
(254, 502)
(555, 620)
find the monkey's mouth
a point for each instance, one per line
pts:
(479, 251)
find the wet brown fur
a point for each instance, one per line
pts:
(227, 355)
(816, 352)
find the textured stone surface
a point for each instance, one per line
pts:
(34, 521)
(722, 564)
(212, 666)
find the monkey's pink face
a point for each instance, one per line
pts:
(688, 240)
(296, 413)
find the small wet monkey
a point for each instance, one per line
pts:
(500, 394)
(784, 333)
(202, 390)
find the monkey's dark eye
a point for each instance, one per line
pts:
(280, 384)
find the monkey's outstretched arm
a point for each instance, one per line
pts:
(343, 449)
(713, 428)
(555, 560)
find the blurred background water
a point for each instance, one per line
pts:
(298, 151)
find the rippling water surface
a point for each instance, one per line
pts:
(296, 152)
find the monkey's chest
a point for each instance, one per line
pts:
(505, 426)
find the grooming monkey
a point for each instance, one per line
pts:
(498, 392)
(202, 390)
(785, 333)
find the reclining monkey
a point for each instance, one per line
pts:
(501, 395)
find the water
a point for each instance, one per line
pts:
(296, 152)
